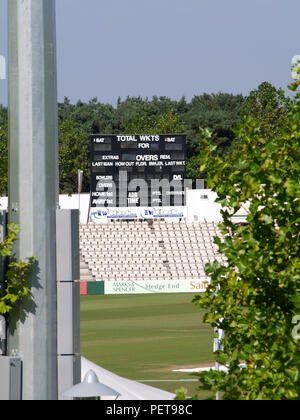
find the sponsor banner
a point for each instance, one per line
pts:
(98, 215)
(162, 286)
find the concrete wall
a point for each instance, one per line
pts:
(72, 202)
(201, 206)
(66, 202)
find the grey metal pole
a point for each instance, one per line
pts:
(33, 188)
(3, 221)
(80, 179)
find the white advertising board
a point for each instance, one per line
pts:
(159, 286)
(100, 215)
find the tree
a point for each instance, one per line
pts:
(255, 297)
(269, 106)
(218, 112)
(134, 114)
(14, 286)
(193, 168)
(73, 155)
(167, 123)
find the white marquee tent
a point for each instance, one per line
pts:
(128, 389)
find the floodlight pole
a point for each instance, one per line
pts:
(33, 188)
(80, 177)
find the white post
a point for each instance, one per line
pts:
(2, 68)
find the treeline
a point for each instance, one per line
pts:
(218, 112)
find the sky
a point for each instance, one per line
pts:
(118, 48)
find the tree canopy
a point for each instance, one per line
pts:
(219, 112)
(255, 297)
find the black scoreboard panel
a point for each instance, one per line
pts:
(137, 170)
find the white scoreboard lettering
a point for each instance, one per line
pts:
(130, 170)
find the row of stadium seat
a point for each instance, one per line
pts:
(149, 251)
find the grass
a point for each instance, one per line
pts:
(145, 337)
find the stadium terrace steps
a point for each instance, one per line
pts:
(85, 273)
(124, 251)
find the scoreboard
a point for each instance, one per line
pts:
(138, 170)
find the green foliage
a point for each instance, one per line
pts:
(92, 117)
(182, 395)
(16, 277)
(259, 292)
(3, 150)
(73, 155)
(270, 107)
(163, 123)
(138, 114)
(193, 168)
(218, 112)
(15, 285)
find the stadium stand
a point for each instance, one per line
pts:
(140, 250)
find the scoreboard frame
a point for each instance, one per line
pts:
(134, 170)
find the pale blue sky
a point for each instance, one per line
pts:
(174, 48)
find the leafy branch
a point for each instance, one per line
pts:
(16, 277)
